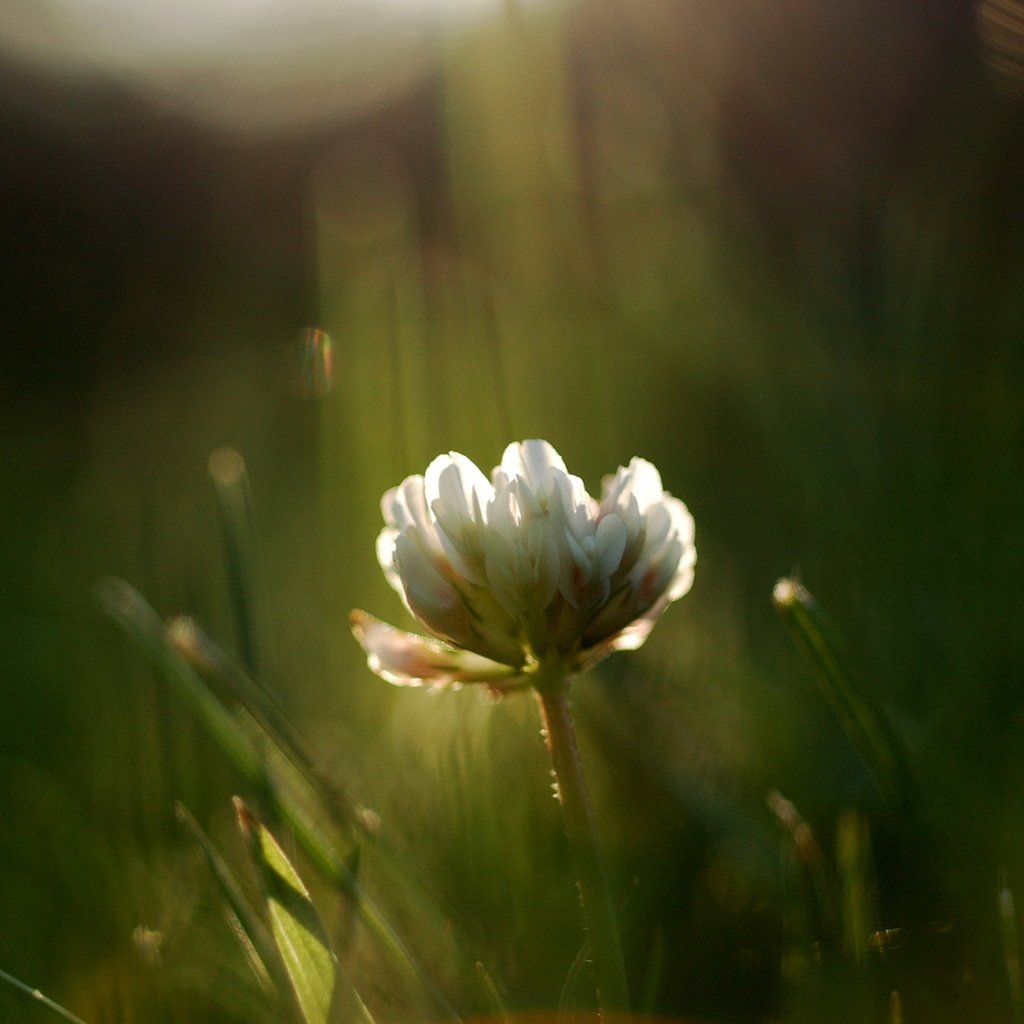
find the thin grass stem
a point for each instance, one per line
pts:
(238, 523)
(866, 725)
(37, 997)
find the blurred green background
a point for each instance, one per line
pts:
(775, 247)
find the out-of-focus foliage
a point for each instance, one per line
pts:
(778, 249)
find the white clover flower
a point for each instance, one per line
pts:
(525, 570)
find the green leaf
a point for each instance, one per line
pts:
(296, 928)
(867, 728)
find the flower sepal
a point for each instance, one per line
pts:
(408, 659)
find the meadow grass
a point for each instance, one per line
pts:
(584, 244)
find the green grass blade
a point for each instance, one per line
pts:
(132, 613)
(300, 937)
(495, 999)
(895, 1008)
(810, 861)
(865, 725)
(653, 974)
(257, 941)
(238, 520)
(130, 610)
(251, 954)
(578, 979)
(338, 872)
(855, 869)
(208, 657)
(37, 997)
(204, 653)
(1010, 934)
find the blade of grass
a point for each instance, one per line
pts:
(810, 861)
(130, 610)
(37, 997)
(338, 873)
(576, 982)
(294, 923)
(865, 725)
(208, 657)
(259, 949)
(1010, 934)
(653, 975)
(238, 522)
(895, 1008)
(856, 884)
(252, 957)
(497, 1002)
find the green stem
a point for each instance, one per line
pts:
(595, 895)
(36, 996)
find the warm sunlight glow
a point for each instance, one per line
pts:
(250, 64)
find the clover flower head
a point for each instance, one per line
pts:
(524, 569)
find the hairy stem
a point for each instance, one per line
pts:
(595, 895)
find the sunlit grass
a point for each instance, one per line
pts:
(580, 239)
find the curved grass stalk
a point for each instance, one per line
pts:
(865, 725)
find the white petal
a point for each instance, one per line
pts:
(522, 573)
(404, 505)
(657, 528)
(542, 548)
(651, 578)
(407, 659)
(639, 479)
(665, 565)
(502, 514)
(525, 500)
(430, 597)
(682, 581)
(683, 528)
(610, 544)
(534, 461)
(497, 552)
(386, 540)
(573, 566)
(582, 566)
(455, 480)
(580, 509)
(457, 493)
